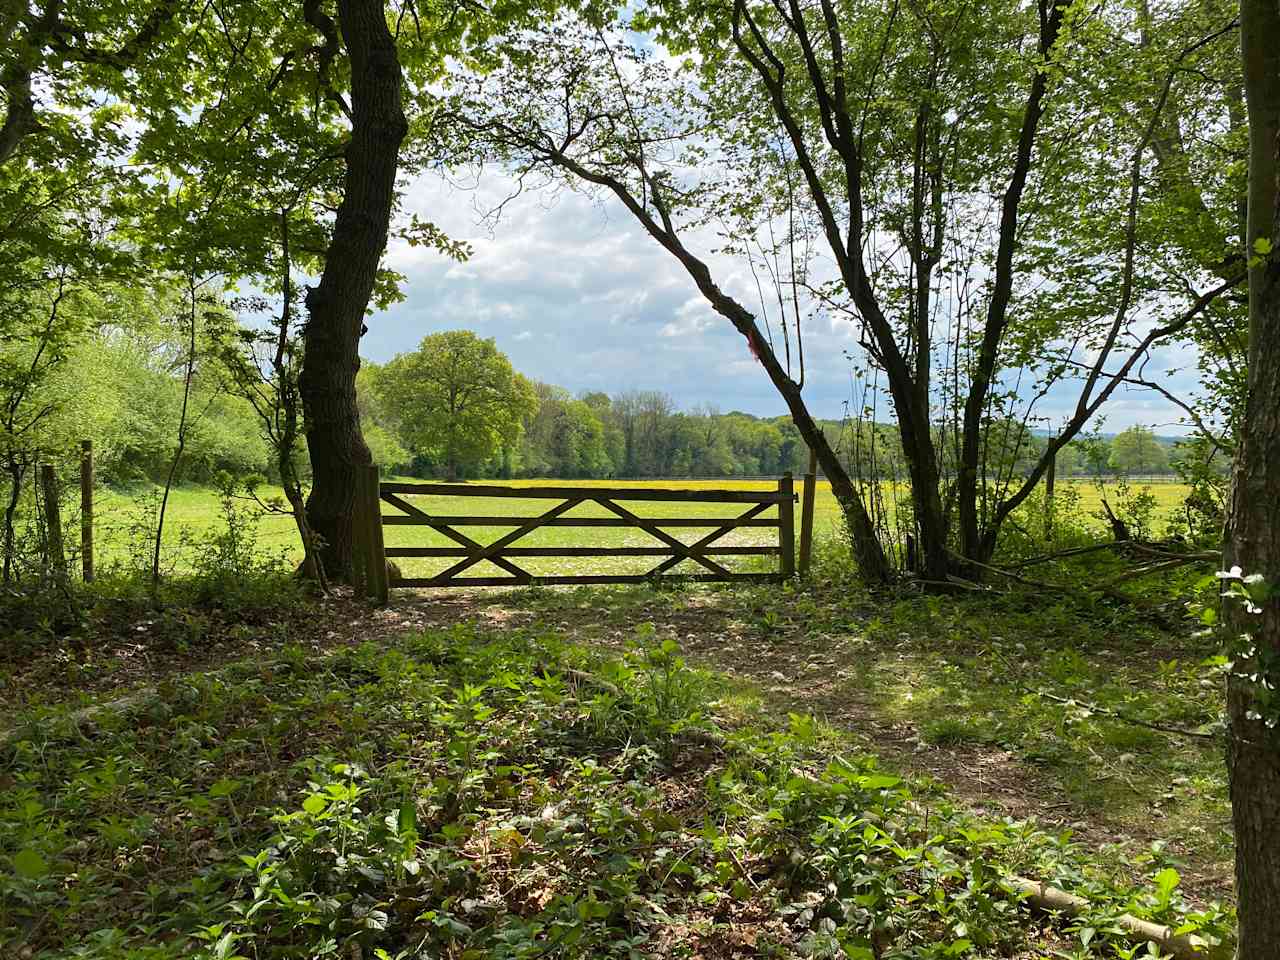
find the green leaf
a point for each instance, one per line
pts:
(224, 788)
(878, 781)
(30, 864)
(1262, 246)
(314, 804)
(1166, 881)
(407, 821)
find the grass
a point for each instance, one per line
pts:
(194, 515)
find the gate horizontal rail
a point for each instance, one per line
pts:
(672, 550)
(613, 493)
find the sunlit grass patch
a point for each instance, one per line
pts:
(193, 515)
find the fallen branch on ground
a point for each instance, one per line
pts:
(1155, 551)
(1104, 586)
(1070, 552)
(1150, 568)
(1050, 899)
(1009, 574)
(1122, 717)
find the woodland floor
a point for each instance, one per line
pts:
(941, 689)
(807, 667)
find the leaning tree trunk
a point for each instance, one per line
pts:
(336, 308)
(1253, 541)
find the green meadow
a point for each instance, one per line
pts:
(196, 514)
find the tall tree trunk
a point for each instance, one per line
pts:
(1253, 541)
(336, 307)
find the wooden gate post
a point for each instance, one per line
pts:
(53, 522)
(806, 514)
(379, 585)
(786, 528)
(86, 509)
(359, 539)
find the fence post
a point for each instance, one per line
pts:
(379, 586)
(786, 528)
(86, 509)
(53, 522)
(806, 514)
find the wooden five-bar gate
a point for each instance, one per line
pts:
(769, 509)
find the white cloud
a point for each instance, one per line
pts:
(577, 295)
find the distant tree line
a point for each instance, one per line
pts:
(115, 375)
(456, 408)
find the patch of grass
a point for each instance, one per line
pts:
(948, 731)
(470, 793)
(992, 666)
(194, 513)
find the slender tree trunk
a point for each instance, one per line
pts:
(1253, 535)
(15, 470)
(926, 497)
(183, 425)
(336, 307)
(873, 565)
(969, 484)
(869, 556)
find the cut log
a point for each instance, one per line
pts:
(1042, 896)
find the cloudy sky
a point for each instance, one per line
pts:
(577, 295)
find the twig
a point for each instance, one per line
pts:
(1121, 716)
(1018, 578)
(1157, 567)
(1207, 555)
(1061, 554)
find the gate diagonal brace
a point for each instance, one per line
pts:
(441, 525)
(491, 551)
(709, 539)
(680, 549)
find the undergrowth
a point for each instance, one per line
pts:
(469, 794)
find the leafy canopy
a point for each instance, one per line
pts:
(456, 398)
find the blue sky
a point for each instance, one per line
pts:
(577, 295)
